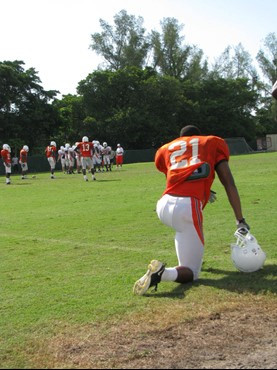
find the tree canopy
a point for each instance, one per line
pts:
(149, 85)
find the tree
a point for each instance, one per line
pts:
(171, 56)
(71, 115)
(26, 113)
(268, 58)
(135, 107)
(123, 45)
(222, 107)
(235, 62)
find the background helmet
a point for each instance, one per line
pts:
(105, 144)
(85, 139)
(7, 147)
(247, 255)
(26, 148)
(53, 143)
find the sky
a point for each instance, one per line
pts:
(53, 36)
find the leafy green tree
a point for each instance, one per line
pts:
(26, 113)
(123, 44)
(222, 107)
(135, 107)
(267, 109)
(267, 58)
(235, 62)
(171, 56)
(71, 116)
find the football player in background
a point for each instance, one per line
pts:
(50, 152)
(112, 157)
(274, 90)
(86, 151)
(97, 157)
(71, 159)
(77, 157)
(23, 157)
(7, 161)
(61, 157)
(106, 152)
(119, 156)
(189, 164)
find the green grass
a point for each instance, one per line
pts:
(71, 251)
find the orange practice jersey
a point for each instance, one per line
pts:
(23, 156)
(86, 149)
(180, 158)
(6, 156)
(50, 151)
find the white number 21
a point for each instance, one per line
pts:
(179, 152)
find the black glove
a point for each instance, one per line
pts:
(241, 224)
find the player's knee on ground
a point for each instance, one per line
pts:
(185, 275)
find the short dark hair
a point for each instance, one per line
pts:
(190, 130)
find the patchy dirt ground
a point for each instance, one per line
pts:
(243, 337)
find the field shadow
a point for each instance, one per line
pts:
(257, 282)
(261, 281)
(22, 184)
(107, 180)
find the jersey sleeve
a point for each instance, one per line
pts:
(222, 152)
(160, 161)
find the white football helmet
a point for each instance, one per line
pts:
(53, 143)
(247, 255)
(26, 148)
(67, 146)
(85, 139)
(105, 144)
(7, 147)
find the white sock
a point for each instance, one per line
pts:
(169, 274)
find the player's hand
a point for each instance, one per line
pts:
(212, 198)
(242, 224)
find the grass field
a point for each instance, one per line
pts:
(71, 251)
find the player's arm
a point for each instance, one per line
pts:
(225, 176)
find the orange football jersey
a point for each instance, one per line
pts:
(23, 156)
(6, 156)
(86, 149)
(50, 151)
(182, 160)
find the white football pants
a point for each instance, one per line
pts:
(184, 214)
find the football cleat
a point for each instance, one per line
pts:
(151, 278)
